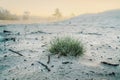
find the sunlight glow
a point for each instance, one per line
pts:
(67, 7)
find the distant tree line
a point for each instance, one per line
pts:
(6, 15)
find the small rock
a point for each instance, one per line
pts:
(18, 33)
(83, 72)
(13, 79)
(81, 32)
(118, 37)
(43, 51)
(36, 38)
(90, 59)
(116, 47)
(32, 64)
(91, 45)
(25, 60)
(66, 62)
(17, 78)
(5, 55)
(5, 31)
(91, 79)
(52, 66)
(109, 46)
(13, 39)
(112, 74)
(87, 73)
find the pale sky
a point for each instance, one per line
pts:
(67, 7)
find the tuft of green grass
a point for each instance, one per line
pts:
(66, 46)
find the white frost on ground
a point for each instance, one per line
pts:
(100, 33)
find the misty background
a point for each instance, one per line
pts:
(51, 10)
(6, 15)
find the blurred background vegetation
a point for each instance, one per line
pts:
(6, 15)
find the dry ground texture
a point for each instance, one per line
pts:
(23, 54)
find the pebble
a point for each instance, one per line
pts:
(32, 64)
(97, 49)
(91, 79)
(116, 47)
(13, 79)
(36, 38)
(87, 73)
(43, 51)
(52, 66)
(109, 46)
(112, 74)
(118, 37)
(90, 59)
(5, 55)
(91, 45)
(25, 60)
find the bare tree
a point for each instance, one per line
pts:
(26, 15)
(72, 15)
(57, 14)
